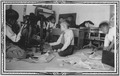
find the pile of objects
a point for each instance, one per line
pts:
(44, 56)
(80, 61)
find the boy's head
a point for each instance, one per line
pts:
(64, 25)
(11, 16)
(61, 19)
(104, 27)
(51, 19)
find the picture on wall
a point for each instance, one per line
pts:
(70, 17)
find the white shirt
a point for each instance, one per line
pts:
(110, 36)
(68, 39)
(11, 35)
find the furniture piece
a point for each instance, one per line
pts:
(79, 37)
(91, 31)
(94, 37)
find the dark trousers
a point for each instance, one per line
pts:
(68, 51)
(108, 58)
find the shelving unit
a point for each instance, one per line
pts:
(94, 38)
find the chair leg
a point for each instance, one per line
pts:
(89, 45)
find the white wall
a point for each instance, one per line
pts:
(19, 9)
(95, 13)
(30, 9)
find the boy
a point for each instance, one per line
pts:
(110, 35)
(61, 19)
(108, 50)
(13, 35)
(65, 43)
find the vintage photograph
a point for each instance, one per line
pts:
(60, 38)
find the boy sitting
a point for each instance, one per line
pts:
(110, 35)
(108, 50)
(13, 35)
(65, 43)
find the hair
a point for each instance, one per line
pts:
(104, 24)
(50, 18)
(66, 23)
(33, 19)
(11, 14)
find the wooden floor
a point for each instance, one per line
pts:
(53, 65)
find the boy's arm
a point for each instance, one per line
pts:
(110, 46)
(11, 35)
(47, 25)
(67, 43)
(68, 39)
(58, 41)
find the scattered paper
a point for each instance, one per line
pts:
(82, 61)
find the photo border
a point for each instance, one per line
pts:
(57, 2)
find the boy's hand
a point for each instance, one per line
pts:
(50, 44)
(59, 50)
(23, 26)
(55, 50)
(107, 48)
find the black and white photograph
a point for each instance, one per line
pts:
(60, 37)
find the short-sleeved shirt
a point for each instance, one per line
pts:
(110, 36)
(11, 35)
(68, 35)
